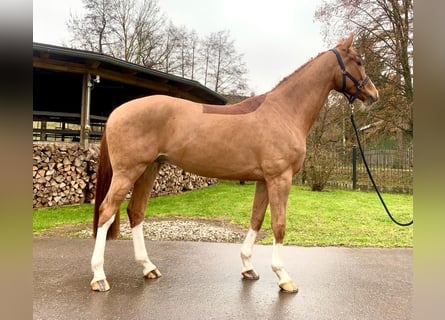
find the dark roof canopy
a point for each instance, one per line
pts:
(58, 73)
(62, 75)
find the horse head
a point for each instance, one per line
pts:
(351, 79)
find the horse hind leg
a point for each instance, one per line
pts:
(120, 185)
(260, 203)
(99, 282)
(136, 213)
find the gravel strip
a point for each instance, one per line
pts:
(169, 229)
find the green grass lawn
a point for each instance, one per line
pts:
(328, 218)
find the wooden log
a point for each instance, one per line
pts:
(67, 173)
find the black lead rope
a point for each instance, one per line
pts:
(372, 179)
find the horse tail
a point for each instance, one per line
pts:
(103, 182)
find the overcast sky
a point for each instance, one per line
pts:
(275, 36)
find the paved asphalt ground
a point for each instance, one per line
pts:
(203, 281)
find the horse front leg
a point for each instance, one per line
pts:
(260, 203)
(279, 188)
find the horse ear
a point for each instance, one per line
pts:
(346, 43)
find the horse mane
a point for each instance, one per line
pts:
(298, 70)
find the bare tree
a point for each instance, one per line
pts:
(193, 42)
(384, 30)
(181, 56)
(206, 58)
(132, 30)
(224, 68)
(168, 61)
(187, 52)
(92, 31)
(137, 31)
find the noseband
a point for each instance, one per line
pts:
(358, 85)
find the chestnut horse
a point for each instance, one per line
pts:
(261, 139)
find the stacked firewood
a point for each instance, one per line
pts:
(172, 180)
(62, 174)
(65, 173)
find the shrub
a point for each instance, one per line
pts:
(318, 168)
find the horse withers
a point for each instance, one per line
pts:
(261, 139)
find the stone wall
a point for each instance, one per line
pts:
(65, 174)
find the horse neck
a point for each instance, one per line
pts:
(303, 93)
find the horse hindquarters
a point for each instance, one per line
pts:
(112, 188)
(103, 182)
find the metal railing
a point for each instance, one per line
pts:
(392, 170)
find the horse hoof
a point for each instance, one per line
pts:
(100, 285)
(288, 287)
(250, 275)
(153, 274)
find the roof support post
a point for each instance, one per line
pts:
(85, 110)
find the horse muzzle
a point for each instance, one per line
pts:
(370, 96)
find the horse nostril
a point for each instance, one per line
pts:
(373, 98)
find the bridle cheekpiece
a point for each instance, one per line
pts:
(358, 85)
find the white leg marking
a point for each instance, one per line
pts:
(140, 252)
(246, 250)
(277, 263)
(97, 260)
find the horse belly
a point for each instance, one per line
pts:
(217, 159)
(218, 165)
